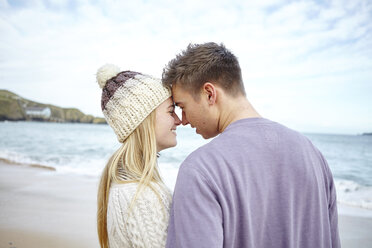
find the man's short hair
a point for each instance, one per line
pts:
(201, 63)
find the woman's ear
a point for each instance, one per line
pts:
(210, 92)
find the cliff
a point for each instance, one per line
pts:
(16, 108)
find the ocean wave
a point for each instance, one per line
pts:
(349, 192)
(82, 165)
(353, 194)
(17, 158)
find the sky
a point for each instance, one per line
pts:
(305, 64)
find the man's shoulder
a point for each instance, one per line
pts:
(247, 137)
(233, 136)
(198, 155)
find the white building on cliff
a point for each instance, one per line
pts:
(36, 112)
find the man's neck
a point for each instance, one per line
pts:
(235, 109)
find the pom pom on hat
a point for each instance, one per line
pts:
(105, 73)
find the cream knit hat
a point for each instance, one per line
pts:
(128, 98)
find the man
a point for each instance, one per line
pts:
(258, 184)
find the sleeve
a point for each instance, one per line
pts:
(196, 215)
(145, 225)
(332, 206)
(333, 215)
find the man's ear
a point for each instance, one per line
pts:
(210, 92)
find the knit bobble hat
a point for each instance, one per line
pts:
(128, 97)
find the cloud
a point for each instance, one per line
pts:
(290, 52)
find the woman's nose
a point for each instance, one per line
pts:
(177, 120)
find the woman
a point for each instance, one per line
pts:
(133, 202)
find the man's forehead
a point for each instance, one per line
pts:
(182, 95)
(178, 93)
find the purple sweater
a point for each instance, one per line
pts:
(258, 184)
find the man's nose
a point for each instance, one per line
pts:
(184, 119)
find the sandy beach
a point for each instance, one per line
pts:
(40, 208)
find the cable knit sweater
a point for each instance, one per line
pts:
(146, 225)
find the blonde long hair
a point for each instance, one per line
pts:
(135, 161)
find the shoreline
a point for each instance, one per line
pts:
(42, 208)
(10, 162)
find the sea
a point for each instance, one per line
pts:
(85, 148)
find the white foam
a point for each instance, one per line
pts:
(169, 173)
(65, 165)
(18, 158)
(88, 167)
(352, 194)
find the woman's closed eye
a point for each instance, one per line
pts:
(171, 110)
